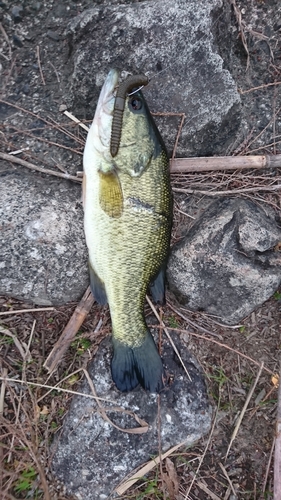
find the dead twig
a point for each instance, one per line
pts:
(22, 311)
(260, 87)
(268, 466)
(17, 343)
(241, 416)
(241, 29)
(31, 166)
(56, 73)
(60, 382)
(228, 478)
(69, 331)
(126, 484)
(250, 142)
(204, 452)
(7, 40)
(135, 430)
(196, 325)
(178, 136)
(51, 124)
(39, 64)
(160, 444)
(180, 330)
(183, 116)
(206, 490)
(2, 391)
(184, 165)
(277, 454)
(74, 119)
(54, 388)
(274, 187)
(162, 325)
(212, 164)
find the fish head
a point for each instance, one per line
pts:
(140, 140)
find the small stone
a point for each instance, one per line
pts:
(37, 6)
(62, 107)
(17, 13)
(26, 89)
(17, 41)
(53, 35)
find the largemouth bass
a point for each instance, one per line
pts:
(127, 219)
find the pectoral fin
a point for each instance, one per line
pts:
(97, 287)
(110, 194)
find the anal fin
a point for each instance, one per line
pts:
(157, 286)
(97, 287)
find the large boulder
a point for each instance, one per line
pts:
(173, 43)
(229, 262)
(91, 456)
(43, 249)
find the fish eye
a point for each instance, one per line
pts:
(135, 104)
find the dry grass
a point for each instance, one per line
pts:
(238, 362)
(32, 414)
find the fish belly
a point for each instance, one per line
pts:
(126, 253)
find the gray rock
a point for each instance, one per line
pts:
(53, 35)
(227, 264)
(42, 247)
(91, 457)
(43, 250)
(173, 39)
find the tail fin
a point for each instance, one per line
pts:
(140, 365)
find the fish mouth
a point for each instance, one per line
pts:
(107, 97)
(104, 109)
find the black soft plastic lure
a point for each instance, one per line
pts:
(123, 90)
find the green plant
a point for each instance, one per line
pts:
(219, 376)
(81, 344)
(173, 323)
(151, 489)
(25, 481)
(6, 340)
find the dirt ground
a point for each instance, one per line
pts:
(33, 52)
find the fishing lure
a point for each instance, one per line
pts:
(123, 90)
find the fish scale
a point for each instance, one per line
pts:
(128, 215)
(136, 249)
